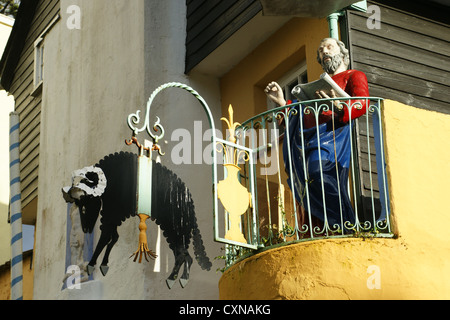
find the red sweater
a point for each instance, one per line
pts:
(353, 82)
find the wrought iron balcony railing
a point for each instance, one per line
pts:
(314, 174)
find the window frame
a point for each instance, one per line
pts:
(38, 74)
(298, 73)
(39, 58)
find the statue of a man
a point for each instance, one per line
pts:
(333, 146)
(334, 59)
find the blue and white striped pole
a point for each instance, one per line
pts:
(15, 208)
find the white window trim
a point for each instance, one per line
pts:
(38, 77)
(295, 74)
(39, 59)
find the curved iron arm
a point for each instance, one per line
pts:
(134, 119)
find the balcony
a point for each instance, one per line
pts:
(297, 191)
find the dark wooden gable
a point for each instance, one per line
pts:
(211, 22)
(17, 77)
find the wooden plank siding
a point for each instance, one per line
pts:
(407, 60)
(212, 22)
(29, 107)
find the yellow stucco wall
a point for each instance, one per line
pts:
(28, 273)
(414, 265)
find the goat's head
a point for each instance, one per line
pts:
(88, 185)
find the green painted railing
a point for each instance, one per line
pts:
(304, 208)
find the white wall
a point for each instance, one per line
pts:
(6, 107)
(95, 77)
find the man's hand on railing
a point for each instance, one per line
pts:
(337, 103)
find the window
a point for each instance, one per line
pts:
(289, 81)
(38, 66)
(38, 79)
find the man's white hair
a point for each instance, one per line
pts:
(344, 51)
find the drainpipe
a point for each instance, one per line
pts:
(15, 208)
(333, 25)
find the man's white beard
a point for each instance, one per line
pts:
(333, 64)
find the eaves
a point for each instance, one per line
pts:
(16, 42)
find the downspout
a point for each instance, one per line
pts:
(333, 25)
(15, 210)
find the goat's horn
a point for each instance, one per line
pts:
(98, 189)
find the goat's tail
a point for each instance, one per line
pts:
(199, 248)
(174, 210)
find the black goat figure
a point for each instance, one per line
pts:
(109, 188)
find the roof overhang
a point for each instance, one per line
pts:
(239, 45)
(275, 14)
(304, 8)
(16, 42)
